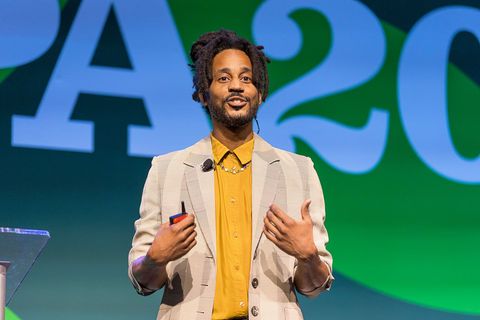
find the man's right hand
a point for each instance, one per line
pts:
(172, 241)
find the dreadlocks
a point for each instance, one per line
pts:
(209, 45)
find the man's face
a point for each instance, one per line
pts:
(233, 100)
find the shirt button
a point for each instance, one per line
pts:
(242, 304)
(254, 283)
(232, 200)
(237, 268)
(235, 234)
(254, 311)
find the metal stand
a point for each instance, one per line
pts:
(19, 248)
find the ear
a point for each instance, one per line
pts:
(203, 100)
(260, 101)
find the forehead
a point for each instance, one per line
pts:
(232, 59)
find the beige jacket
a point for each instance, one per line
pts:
(280, 177)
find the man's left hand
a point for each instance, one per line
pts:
(294, 237)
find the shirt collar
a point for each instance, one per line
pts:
(243, 152)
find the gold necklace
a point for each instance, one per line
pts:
(234, 170)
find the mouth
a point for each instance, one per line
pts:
(236, 102)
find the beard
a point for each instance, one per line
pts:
(219, 113)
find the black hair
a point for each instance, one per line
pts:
(209, 45)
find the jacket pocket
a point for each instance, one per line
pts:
(174, 292)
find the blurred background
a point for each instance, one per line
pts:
(382, 95)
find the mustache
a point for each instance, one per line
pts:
(236, 94)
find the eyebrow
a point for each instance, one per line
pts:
(228, 70)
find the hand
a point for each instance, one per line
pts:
(172, 241)
(291, 236)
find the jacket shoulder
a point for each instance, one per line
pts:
(167, 157)
(292, 157)
(181, 153)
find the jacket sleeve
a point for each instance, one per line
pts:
(148, 223)
(320, 234)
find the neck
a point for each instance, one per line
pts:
(232, 138)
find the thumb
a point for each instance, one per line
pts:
(305, 211)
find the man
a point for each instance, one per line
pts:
(255, 229)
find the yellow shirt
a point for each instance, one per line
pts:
(233, 215)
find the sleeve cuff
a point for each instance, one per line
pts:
(138, 287)
(327, 284)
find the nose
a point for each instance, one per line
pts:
(235, 86)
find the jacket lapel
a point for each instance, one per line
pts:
(265, 173)
(200, 187)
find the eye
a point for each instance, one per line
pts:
(246, 79)
(223, 79)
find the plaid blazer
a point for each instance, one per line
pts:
(278, 176)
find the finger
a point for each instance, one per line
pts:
(189, 220)
(272, 229)
(191, 245)
(276, 222)
(270, 236)
(187, 232)
(305, 210)
(280, 214)
(189, 240)
(185, 223)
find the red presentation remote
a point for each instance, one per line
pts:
(179, 216)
